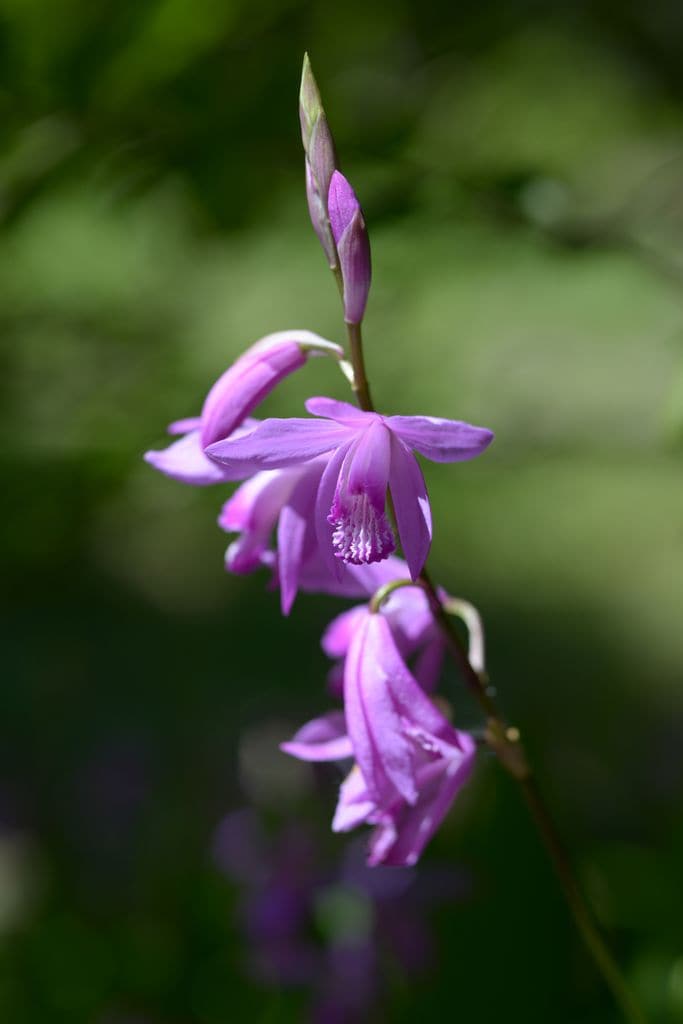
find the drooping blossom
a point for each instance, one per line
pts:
(410, 761)
(235, 394)
(353, 246)
(368, 453)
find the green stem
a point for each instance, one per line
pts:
(506, 743)
(360, 380)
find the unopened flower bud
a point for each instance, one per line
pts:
(320, 159)
(353, 246)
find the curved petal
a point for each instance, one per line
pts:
(322, 739)
(246, 383)
(323, 504)
(316, 576)
(256, 504)
(355, 805)
(338, 636)
(383, 752)
(253, 511)
(184, 460)
(343, 412)
(247, 553)
(277, 443)
(293, 526)
(184, 426)
(361, 531)
(411, 504)
(411, 828)
(417, 713)
(369, 470)
(441, 440)
(428, 664)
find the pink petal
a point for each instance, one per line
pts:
(374, 725)
(428, 664)
(411, 504)
(277, 443)
(355, 805)
(415, 709)
(326, 491)
(257, 503)
(341, 203)
(343, 412)
(294, 527)
(441, 440)
(184, 426)
(412, 827)
(184, 460)
(246, 383)
(322, 739)
(338, 635)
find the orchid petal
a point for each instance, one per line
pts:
(277, 443)
(184, 426)
(184, 460)
(408, 698)
(441, 440)
(361, 531)
(369, 470)
(326, 490)
(403, 837)
(373, 721)
(343, 412)
(340, 632)
(322, 739)
(253, 511)
(355, 806)
(411, 503)
(246, 383)
(293, 527)
(428, 663)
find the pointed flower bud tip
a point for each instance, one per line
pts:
(310, 103)
(320, 159)
(353, 246)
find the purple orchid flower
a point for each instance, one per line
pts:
(410, 762)
(368, 453)
(234, 395)
(353, 247)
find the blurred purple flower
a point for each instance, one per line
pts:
(291, 895)
(353, 247)
(234, 395)
(369, 453)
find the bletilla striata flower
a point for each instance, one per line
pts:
(410, 762)
(368, 453)
(234, 395)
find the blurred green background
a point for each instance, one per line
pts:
(520, 165)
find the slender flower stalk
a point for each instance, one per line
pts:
(323, 503)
